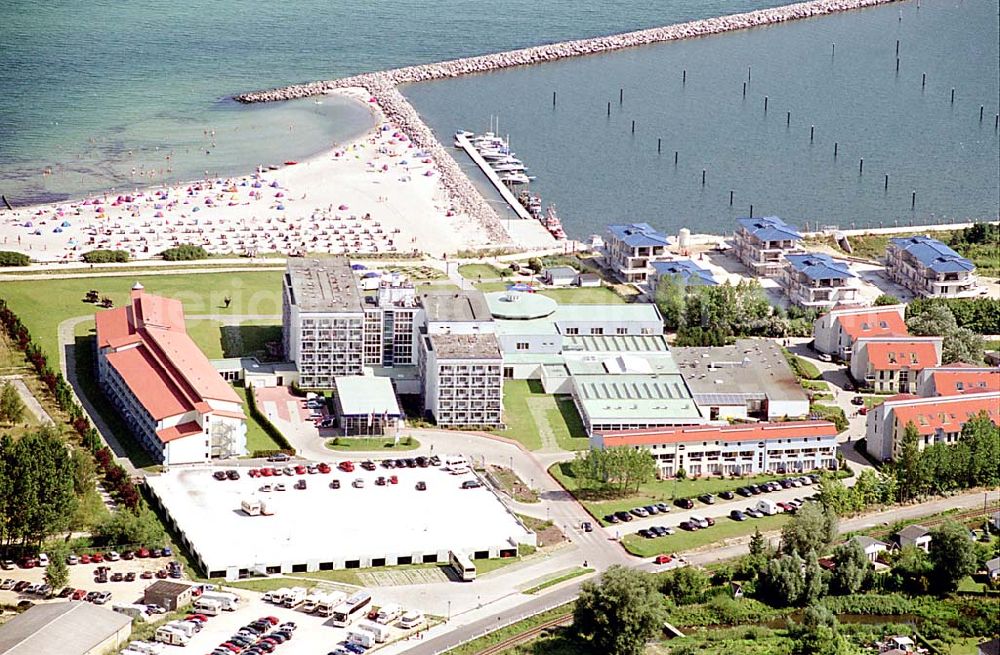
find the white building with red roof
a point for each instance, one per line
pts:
(169, 394)
(956, 379)
(739, 449)
(938, 419)
(835, 332)
(892, 364)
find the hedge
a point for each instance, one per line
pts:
(105, 256)
(184, 252)
(9, 258)
(266, 424)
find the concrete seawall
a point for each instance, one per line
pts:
(382, 85)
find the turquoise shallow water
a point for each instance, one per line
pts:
(598, 171)
(87, 83)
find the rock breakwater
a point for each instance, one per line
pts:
(383, 85)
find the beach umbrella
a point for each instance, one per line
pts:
(343, 208)
(29, 224)
(428, 173)
(58, 229)
(279, 195)
(280, 207)
(158, 215)
(521, 287)
(275, 185)
(358, 267)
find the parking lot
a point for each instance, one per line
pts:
(320, 527)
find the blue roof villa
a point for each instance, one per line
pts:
(631, 248)
(930, 269)
(818, 280)
(763, 243)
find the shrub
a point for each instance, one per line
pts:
(104, 256)
(184, 252)
(266, 424)
(8, 258)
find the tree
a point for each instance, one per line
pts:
(780, 582)
(57, 573)
(952, 556)
(758, 545)
(11, 405)
(813, 583)
(685, 585)
(886, 299)
(670, 298)
(813, 528)
(535, 264)
(131, 527)
(934, 320)
(834, 496)
(819, 634)
(962, 345)
(908, 470)
(84, 472)
(621, 613)
(853, 573)
(911, 570)
(982, 436)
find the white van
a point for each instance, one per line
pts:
(276, 596)
(767, 507)
(293, 597)
(311, 602)
(700, 521)
(411, 619)
(208, 606)
(144, 647)
(456, 463)
(251, 506)
(230, 602)
(361, 637)
(167, 635)
(388, 613)
(381, 632)
(329, 602)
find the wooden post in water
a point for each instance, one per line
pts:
(553, 98)
(996, 123)
(833, 51)
(897, 48)
(812, 131)
(633, 127)
(923, 81)
(659, 142)
(609, 107)
(703, 177)
(897, 64)
(751, 211)
(952, 95)
(981, 108)
(675, 157)
(834, 149)
(684, 77)
(886, 181)
(744, 89)
(748, 73)
(788, 118)
(861, 166)
(765, 104)
(913, 200)
(730, 197)
(621, 96)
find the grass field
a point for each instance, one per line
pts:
(43, 304)
(257, 438)
(534, 418)
(724, 528)
(569, 575)
(477, 271)
(600, 503)
(361, 444)
(584, 296)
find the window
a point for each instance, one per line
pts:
(572, 330)
(597, 330)
(522, 345)
(621, 330)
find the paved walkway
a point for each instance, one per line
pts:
(31, 403)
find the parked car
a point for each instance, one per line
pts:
(752, 513)
(335, 484)
(824, 357)
(663, 559)
(112, 556)
(6, 565)
(358, 483)
(645, 533)
(279, 487)
(142, 552)
(300, 470)
(421, 486)
(323, 467)
(102, 597)
(72, 559)
(689, 525)
(640, 512)
(130, 576)
(663, 507)
(301, 484)
(651, 509)
(128, 554)
(219, 475)
(78, 594)
(684, 503)
(233, 474)
(368, 465)
(611, 518)
(155, 609)
(117, 576)
(858, 400)
(7, 584)
(146, 575)
(346, 466)
(28, 562)
(279, 457)
(624, 516)
(85, 559)
(737, 515)
(708, 499)
(744, 491)
(587, 526)
(471, 484)
(727, 495)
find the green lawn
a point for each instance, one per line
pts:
(257, 438)
(584, 296)
(526, 407)
(569, 575)
(477, 271)
(372, 444)
(264, 585)
(207, 334)
(600, 503)
(43, 304)
(489, 287)
(682, 540)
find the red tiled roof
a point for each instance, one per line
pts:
(149, 382)
(188, 360)
(742, 432)
(901, 396)
(894, 355)
(949, 383)
(948, 414)
(876, 323)
(220, 412)
(188, 429)
(112, 324)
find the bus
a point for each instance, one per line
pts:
(463, 566)
(344, 613)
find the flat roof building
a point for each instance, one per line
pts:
(171, 397)
(169, 595)
(749, 379)
(742, 449)
(65, 628)
(366, 405)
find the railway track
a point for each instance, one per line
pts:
(960, 517)
(510, 642)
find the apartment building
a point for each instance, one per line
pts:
(631, 248)
(929, 268)
(170, 396)
(684, 271)
(835, 332)
(763, 243)
(391, 320)
(460, 362)
(741, 449)
(818, 281)
(892, 364)
(956, 379)
(323, 320)
(938, 419)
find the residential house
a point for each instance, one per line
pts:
(929, 268)
(872, 547)
(958, 378)
(892, 364)
(914, 535)
(763, 243)
(835, 332)
(993, 568)
(684, 271)
(739, 449)
(899, 644)
(938, 420)
(559, 276)
(816, 280)
(170, 396)
(991, 647)
(631, 248)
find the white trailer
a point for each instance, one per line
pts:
(208, 606)
(293, 597)
(189, 628)
(168, 635)
(229, 601)
(768, 507)
(329, 602)
(276, 596)
(388, 613)
(250, 506)
(411, 619)
(361, 637)
(311, 602)
(381, 632)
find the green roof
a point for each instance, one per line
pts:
(635, 397)
(628, 343)
(520, 306)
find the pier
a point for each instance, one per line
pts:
(505, 192)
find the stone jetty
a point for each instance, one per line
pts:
(383, 85)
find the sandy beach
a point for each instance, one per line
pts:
(377, 194)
